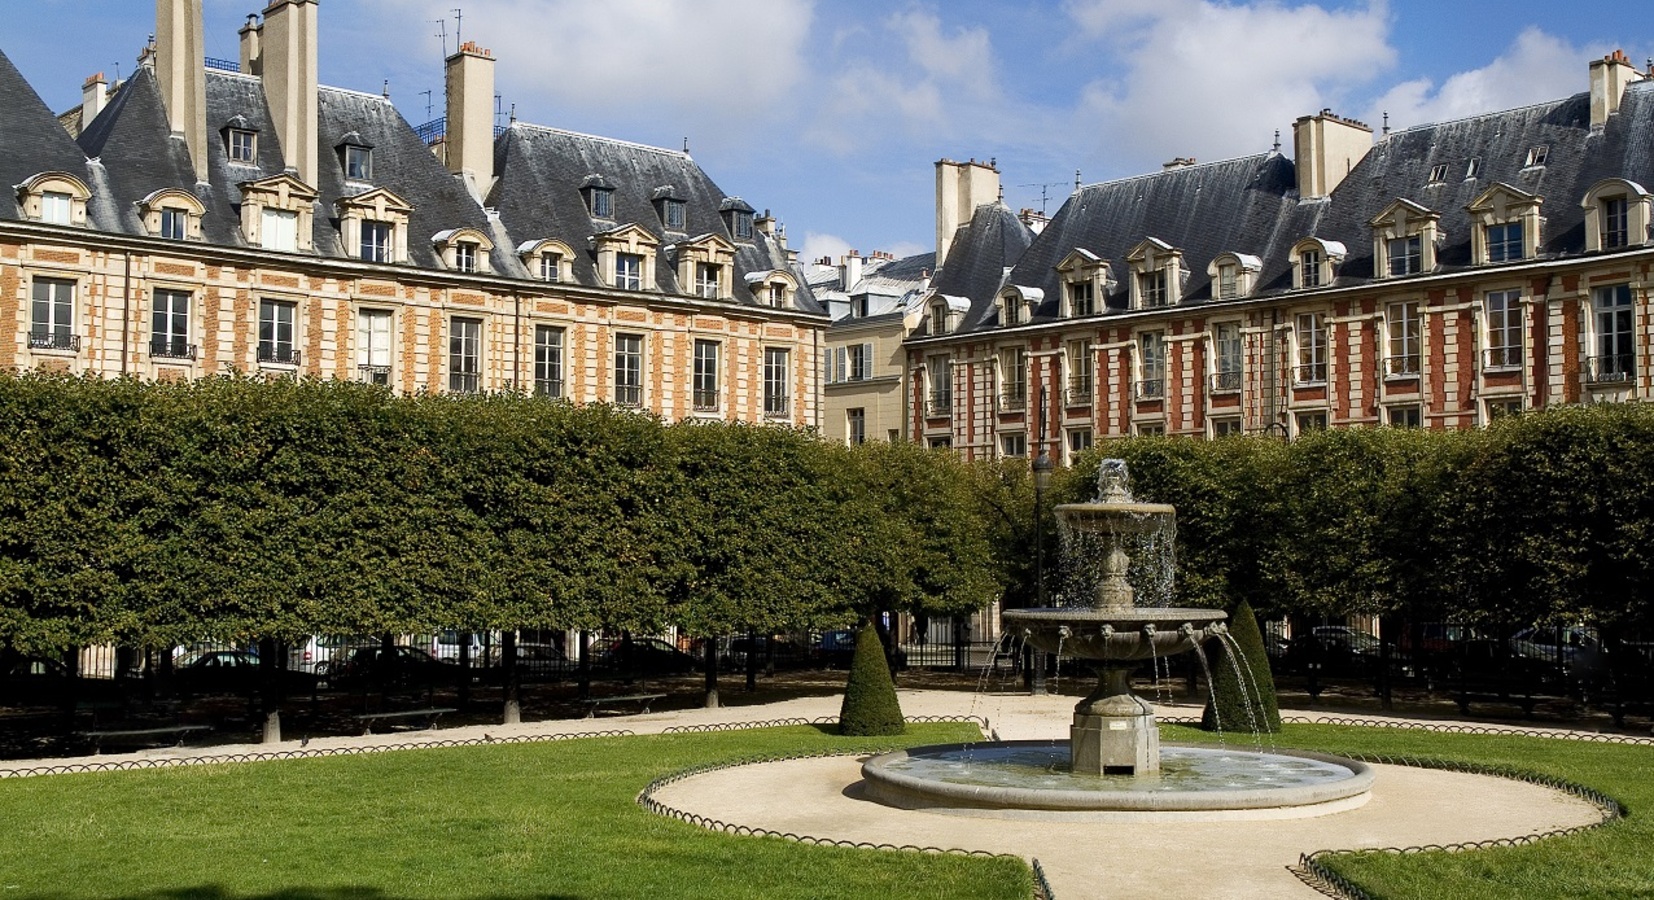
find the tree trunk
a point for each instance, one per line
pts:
(464, 669)
(509, 676)
(711, 657)
(752, 661)
(585, 665)
(269, 670)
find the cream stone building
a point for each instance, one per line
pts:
(239, 215)
(874, 310)
(1436, 277)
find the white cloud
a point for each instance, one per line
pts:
(817, 246)
(1214, 80)
(1536, 67)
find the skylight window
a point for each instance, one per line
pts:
(1537, 155)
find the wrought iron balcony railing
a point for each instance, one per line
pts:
(465, 382)
(1313, 373)
(279, 354)
(1609, 369)
(706, 401)
(1502, 358)
(1151, 388)
(629, 395)
(939, 406)
(374, 374)
(1226, 382)
(171, 348)
(1401, 366)
(776, 408)
(54, 340)
(1013, 399)
(548, 387)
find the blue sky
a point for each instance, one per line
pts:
(831, 113)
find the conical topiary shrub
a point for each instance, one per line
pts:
(1228, 704)
(870, 705)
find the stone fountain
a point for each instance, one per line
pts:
(1113, 764)
(1114, 732)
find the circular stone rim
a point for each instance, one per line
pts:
(909, 792)
(1131, 507)
(1062, 615)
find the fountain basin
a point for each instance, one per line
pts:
(1012, 778)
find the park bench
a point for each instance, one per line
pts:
(159, 734)
(430, 715)
(595, 703)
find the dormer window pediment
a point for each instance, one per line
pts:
(1087, 281)
(173, 214)
(548, 260)
(1158, 274)
(1406, 236)
(1505, 224)
(626, 257)
(373, 226)
(277, 213)
(776, 288)
(54, 198)
(706, 267)
(1234, 275)
(944, 312)
(1016, 305)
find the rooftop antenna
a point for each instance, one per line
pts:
(459, 26)
(442, 32)
(513, 113)
(499, 110)
(686, 145)
(427, 96)
(387, 90)
(1386, 123)
(1277, 140)
(1076, 179)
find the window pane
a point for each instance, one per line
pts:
(776, 379)
(280, 230)
(548, 361)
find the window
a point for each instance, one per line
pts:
(1505, 242)
(1406, 255)
(276, 341)
(1010, 311)
(1013, 379)
(1227, 426)
(1503, 407)
(1309, 269)
(707, 276)
(941, 443)
(1151, 429)
(1613, 360)
(1311, 421)
(1082, 298)
(602, 203)
(939, 371)
(706, 376)
(174, 224)
(1013, 444)
(373, 346)
(777, 382)
(629, 271)
(1311, 333)
(1228, 281)
(169, 326)
(548, 361)
(1537, 154)
(465, 356)
(1080, 374)
(1079, 440)
(1615, 222)
(1438, 174)
(1474, 169)
(855, 426)
(861, 362)
(742, 225)
(56, 208)
(1403, 322)
(551, 267)
(672, 214)
(52, 318)
(358, 163)
(1410, 416)
(778, 295)
(241, 146)
(465, 257)
(1226, 342)
(376, 241)
(1151, 287)
(1151, 382)
(629, 370)
(1504, 329)
(279, 230)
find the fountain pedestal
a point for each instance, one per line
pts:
(1114, 732)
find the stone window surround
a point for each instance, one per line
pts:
(447, 246)
(1080, 266)
(626, 239)
(360, 307)
(281, 192)
(1151, 256)
(80, 280)
(1246, 273)
(761, 283)
(710, 249)
(31, 196)
(1016, 305)
(1401, 220)
(1502, 204)
(533, 252)
(1637, 212)
(1332, 255)
(378, 205)
(151, 207)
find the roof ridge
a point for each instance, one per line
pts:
(355, 93)
(1205, 165)
(597, 137)
(1487, 115)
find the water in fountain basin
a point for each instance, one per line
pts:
(1181, 769)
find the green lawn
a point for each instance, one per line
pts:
(554, 820)
(1616, 860)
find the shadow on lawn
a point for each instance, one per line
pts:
(214, 892)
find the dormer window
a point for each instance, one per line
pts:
(626, 257)
(1617, 215)
(1085, 283)
(1315, 261)
(241, 146)
(174, 224)
(1504, 225)
(600, 202)
(707, 277)
(1537, 154)
(549, 260)
(1017, 304)
(737, 218)
(464, 250)
(774, 288)
(1474, 169)
(54, 198)
(373, 226)
(1438, 174)
(670, 207)
(1405, 236)
(1157, 274)
(705, 267)
(1233, 275)
(356, 157)
(277, 214)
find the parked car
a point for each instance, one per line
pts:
(317, 653)
(445, 645)
(732, 651)
(1577, 647)
(835, 649)
(535, 662)
(644, 656)
(396, 666)
(231, 672)
(42, 681)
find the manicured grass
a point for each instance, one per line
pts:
(504, 822)
(1615, 860)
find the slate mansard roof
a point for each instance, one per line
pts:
(1251, 205)
(129, 152)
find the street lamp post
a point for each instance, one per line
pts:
(1042, 480)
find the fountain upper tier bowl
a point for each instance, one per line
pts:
(1115, 635)
(1116, 516)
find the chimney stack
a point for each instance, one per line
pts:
(1609, 77)
(470, 139)
(94, 96)
(252, 49)
(1326, 148)
(850, 269)
(180, 71)
(960, 189)
(287, 48)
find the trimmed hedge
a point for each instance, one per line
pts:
(1243, 690)
(870, 706)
